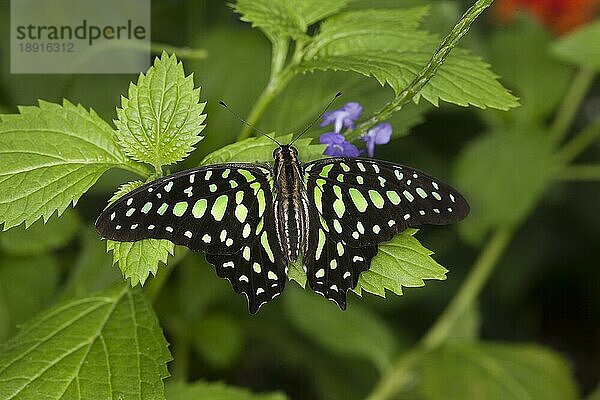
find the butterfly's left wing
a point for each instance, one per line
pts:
(223, 210)
(358, 203)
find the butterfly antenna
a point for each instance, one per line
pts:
(338, 94)
(222, 103)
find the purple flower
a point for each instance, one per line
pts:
(379, 134)
(338, 145)
(342, 118)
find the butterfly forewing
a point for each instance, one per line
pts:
(368, 201)
(213, 209)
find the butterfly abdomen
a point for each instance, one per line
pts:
(290, 209)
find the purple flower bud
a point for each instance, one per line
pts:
(379, 134)
(338, 146)
(342, 118)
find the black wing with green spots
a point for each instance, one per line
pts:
(222, 210)
(357, 204)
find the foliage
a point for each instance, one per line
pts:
(496, 371)
(98, 346)
(161, 120)
(70, 327)
(581, 47)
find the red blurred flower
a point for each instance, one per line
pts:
(560, 16)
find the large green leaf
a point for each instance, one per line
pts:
(581, 47)
(161, 120)
(503, 174)
(26, 287)
(496, 371)
(200, 390)
(107, 346)
(400, 262)
(137, 259)
(50, 155)
(387, 45)
(260, 149)
(356, 332)
(41, 237)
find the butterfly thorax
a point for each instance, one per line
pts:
(291, 215)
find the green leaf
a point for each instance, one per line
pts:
(260, 149)
(137, 259)
(496, 371)
(402, 261)
(106, 346)
(315, 10)
(277, 18)
(356, 332)
(201, 390)
(92, 270)
(218, 340)
(41, 237)
(161, 121)
(581, 47)
(518, 53)
(387, 45)
(51, 155)
(26, 287)
(503, 174)
(297, 274)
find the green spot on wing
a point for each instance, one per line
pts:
(246, 174)
(325, 171)
(376, 198)
(180, 208)
(199, 208)
(161, 210)
(359, 200)
(264, 241)
(393, 196)
(218, 209)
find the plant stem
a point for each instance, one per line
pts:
(470, 289)
(399, 375)
(579, 143)
(136, 169)
(580, 173)
(568, 110)
(181, 52)
(279, 78)
(428, 72)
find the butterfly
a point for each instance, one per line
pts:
(253, 220)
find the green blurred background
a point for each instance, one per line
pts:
(545, 289)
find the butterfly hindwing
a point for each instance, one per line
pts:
(333, 267)
(258, 269)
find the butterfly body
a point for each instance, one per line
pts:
(290, 204)
(252, 220)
